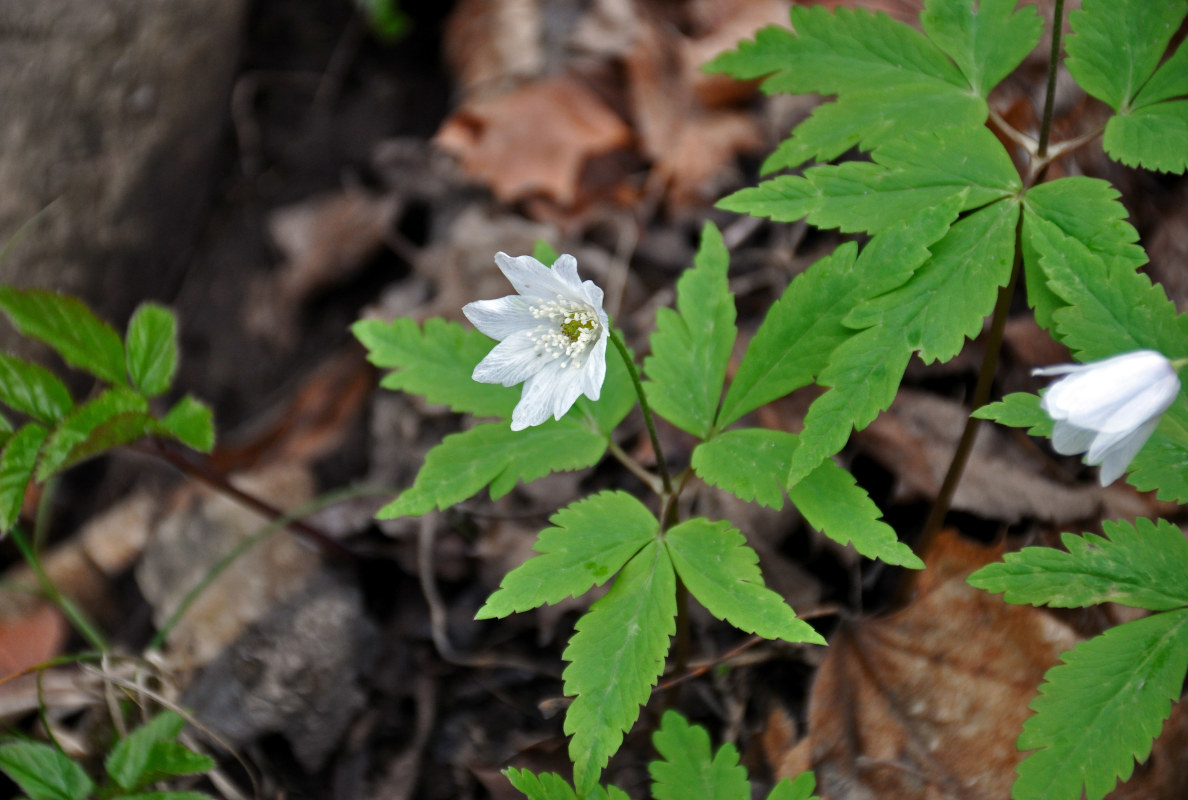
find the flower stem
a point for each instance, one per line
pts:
(665, 479)
(65, 604)
(1053, 63)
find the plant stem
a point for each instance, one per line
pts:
(220, 482)
(77, 617)
(1053, 63)
(981, 393)
(647, 411)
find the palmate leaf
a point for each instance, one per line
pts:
(494, 454)
(689, 770)
(435, 362)
(151, 346)
(551, 786)
(1154, 137)
(43, 772)
(795, 341)
(1117, 44)
(615, 657)
(691, 346)
(1018, 410)
(115, 417)
(987, 43)
(833, 503)
(69, 327)
(33, 390)
(589, 542)
(1169, 81)
(1141, 565)
(128, 761)
(890, 80)
(721, 571)
(799, 788)
(1100, 710)
(1112, 311)
(750, 463)
(17, 463)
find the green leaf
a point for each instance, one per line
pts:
(33, 390)
(721, 571)
(868, 118)
(589, 542)
(129, 759)
(191, 422)
(987, 44)
(544, 252)
(1141, 565)
(1153, 137)
(166, 796)
(169, 759)
(796, 340)
(1087, 209)
(551, 786)
(1117, 44)
(152, 348)
(115, 417)
(1169, 81)
(16, 470)
(833, 503)
(947, 299)
(1100, 710)
(1018, 410)
(800, 788)
(43, 772)
(691, 346)
(830, 53)
(494, 454)
(615, 658)
(687, 768)
(750, 463)
(436, 362)
(68, 326)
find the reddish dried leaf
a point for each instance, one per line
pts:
(30, 635)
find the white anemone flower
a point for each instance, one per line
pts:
(1108, 409)
(552, 337)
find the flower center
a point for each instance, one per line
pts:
(568, 330)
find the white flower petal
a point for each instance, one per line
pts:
(1115, 462)
(536, 401)
(594, 371)
(500, 318)
(512, 361)
(533, 279)
(1068, 439)
(565, 268)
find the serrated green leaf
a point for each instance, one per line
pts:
(787, 198)
(1141, 565)
(43, 772)
(799, 788)
(987, 44)
(796, 340)
(436, 362)
(1169, 81)
(69, 327)
(947, 299)
(691, 345)
(615, 657)
(868, 118)
(169, 759)
(151, 347)
(833, 503)
(493, 454)
(830, 53)
(128, 761)
(1153, 137)
(1018, 410)
(750, 463)
(115, 417)
(551, 786)
(33, 390)
(589, 542)
(1117, 44)
(721, 571)
(191, 422)
(1102, 708)
(688, 769)
(1088, 210)
(16, 470)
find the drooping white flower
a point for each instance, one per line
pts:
(1108, 409)
(552, 337)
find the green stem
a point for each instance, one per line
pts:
(647, 411)
(981, 393)
(1053, 63)
(77, 617)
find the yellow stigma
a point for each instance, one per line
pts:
(573, 327)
